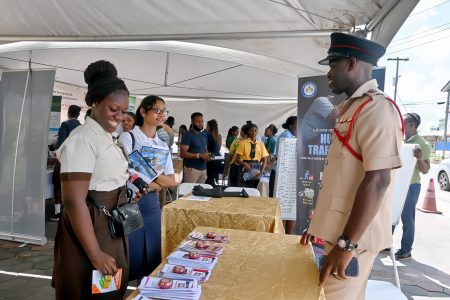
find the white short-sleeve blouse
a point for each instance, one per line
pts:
(140, 140)
(89, 149)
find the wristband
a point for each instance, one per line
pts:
(198, 154)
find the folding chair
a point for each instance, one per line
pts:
(381, 289)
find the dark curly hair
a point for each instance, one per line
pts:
(147, 103)
(101, 78)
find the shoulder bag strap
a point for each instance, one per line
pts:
(98, 205)
(132, 141)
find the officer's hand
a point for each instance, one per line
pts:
(306, 237)
(335, 265)
(417, 153)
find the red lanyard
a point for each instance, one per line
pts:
(344, 139)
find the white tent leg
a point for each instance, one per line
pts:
(394, 264)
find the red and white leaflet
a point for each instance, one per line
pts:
(210, 236)
(181, 272)
(204, 247)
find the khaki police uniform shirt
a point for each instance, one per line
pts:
(89, 149)
(377, 137)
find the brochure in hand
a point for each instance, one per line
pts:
(183, 272)
(203, 247)
(192, 259)
(156, 157)
(166, 288)
(138, 165)
(210, 236)
(105, 283)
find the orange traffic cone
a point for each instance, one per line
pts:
(429, 203)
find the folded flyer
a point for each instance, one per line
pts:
(204, 247)
(183, 272)
(105, 283)
(138, 165)
(166, 288)
(156, 157)
(192, 259)
(210, 236)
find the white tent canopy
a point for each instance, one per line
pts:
(231, 50)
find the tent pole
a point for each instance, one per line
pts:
(171, 37)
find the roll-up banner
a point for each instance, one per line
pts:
(316, 120)
(25, 102)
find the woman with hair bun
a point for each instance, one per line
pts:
(92, 163)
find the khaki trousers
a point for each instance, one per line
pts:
(191, 175)
(352, 287)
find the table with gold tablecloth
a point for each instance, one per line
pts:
(254, 214)
(260, 265)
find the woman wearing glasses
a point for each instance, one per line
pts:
(145, 244)
(252, 158)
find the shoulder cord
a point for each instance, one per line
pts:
(344, 139)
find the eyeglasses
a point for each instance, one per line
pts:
(160, 111)
(252, 151)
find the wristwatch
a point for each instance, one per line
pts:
(344, 243)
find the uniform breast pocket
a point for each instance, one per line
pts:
(343, 205)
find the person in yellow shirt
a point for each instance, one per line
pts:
(231, 168)
(251, 156)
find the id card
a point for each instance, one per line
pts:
(105, 283)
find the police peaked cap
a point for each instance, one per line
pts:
(346, 45)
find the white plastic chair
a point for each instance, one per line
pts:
(186, 188)
(399, 193)
(377, 290)
(250, 191)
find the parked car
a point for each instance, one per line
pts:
(443, 173)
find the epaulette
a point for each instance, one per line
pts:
(375, 92)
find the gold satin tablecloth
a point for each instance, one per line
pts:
(259, 266)
(254, 214)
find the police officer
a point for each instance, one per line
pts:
(352, 213)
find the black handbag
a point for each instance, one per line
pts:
(124, 218)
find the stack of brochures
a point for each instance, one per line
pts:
(192, 259)
(183, 272)
(203, 247)
(166, 288)
(210, 236)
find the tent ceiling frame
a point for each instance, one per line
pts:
(172, 37)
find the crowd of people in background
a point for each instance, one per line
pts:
(108, 126)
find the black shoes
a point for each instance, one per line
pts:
(55, 217)
(403, 255)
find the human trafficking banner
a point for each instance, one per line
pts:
(316, 119)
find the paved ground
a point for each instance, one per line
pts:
(25, 270)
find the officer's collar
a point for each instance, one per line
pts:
(369, 85)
